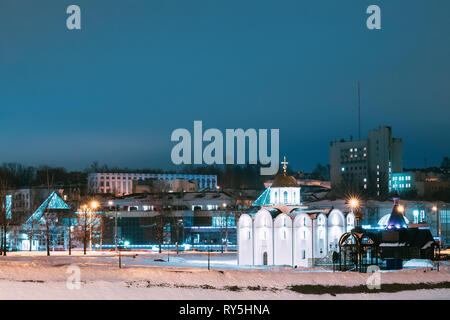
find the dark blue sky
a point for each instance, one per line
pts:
(139, 69)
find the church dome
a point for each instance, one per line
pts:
(282, 180)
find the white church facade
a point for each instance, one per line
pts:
(284, 232)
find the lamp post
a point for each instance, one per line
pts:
(226, 227)
(84, 209)
(209, 259)
(93, 206)
(70, 235)
(111, 203)
(354, 205)
(168, 251)
(438, 218)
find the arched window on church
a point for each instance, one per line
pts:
(285, 194)
(304, 221)
(276, 199)
(321, 221)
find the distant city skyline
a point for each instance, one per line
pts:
(114, 91)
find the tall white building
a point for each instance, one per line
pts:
(122, 183)
(366, 164)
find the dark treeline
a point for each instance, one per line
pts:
(229, 176)
(17, 176)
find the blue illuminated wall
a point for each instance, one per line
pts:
(402, 182)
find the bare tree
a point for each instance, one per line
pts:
(88, 220)
(3, 214)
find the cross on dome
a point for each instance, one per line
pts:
(284, 163)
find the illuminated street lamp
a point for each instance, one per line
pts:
(401, 209)
(111, 203)
(354, 204)
(93, 205)
(438, 218)
(84, 209)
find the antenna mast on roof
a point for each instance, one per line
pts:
(359, 113)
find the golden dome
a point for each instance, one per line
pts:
(282, 180)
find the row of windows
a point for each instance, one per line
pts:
(353, 168)
(162, 176)
(402, 178)
(285, 197)
(401, 186)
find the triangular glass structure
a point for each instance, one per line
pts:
(263, 199)
(383, 222)
(393, 220)
(53, 202)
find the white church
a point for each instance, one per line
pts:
(284, 232)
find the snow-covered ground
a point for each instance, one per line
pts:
(33, 275)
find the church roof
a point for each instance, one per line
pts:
(283, 180)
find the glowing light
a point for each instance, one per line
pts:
(401, 209)
(434, 208)
(94, 204)
(354, 203)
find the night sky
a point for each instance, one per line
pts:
(115, 90)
